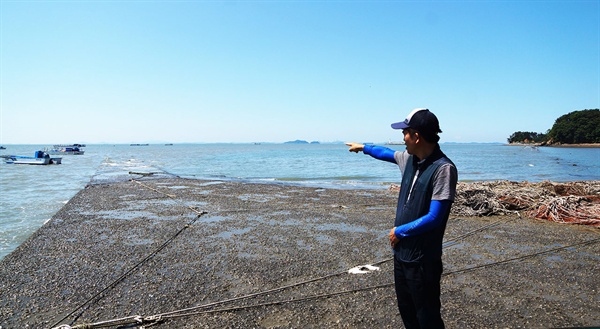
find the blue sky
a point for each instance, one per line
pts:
(273, 71)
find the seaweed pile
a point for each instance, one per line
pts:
(572, 202)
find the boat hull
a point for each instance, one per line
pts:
(75, 149)
(29, 161)
(58, 152)
(41, 158)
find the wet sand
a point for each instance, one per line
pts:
(165, 244)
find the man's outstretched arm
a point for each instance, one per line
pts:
(378, 152)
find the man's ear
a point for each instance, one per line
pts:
(417, 136)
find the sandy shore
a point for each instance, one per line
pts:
(160, 245)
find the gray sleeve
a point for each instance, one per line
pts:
(401, 158)
(444, 183)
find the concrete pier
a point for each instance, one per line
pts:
(246, 255)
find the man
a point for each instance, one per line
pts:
(426, 194)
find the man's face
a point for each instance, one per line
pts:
(410, 140)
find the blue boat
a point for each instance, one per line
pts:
(72, 149)
(40, 158)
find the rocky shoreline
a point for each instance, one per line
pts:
(157, 245)
(584, 145)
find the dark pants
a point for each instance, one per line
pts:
(418, 293)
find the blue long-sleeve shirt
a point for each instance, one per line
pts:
(437, 208)
(380, 152)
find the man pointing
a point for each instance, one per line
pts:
(426, 194)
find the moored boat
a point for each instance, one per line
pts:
(40, 158)
(71, 149)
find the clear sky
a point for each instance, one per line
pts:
(273, 71)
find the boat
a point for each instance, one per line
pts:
(71, 149)
(2, 148)
(391, 142)
(40, 158)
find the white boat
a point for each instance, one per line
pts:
(390, 142)
(72, 149)
(40, 158)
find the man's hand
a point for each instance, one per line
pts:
(393, 239)
(355, 147)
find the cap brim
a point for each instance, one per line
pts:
(400, 125)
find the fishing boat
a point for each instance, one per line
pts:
(40, 158)
(71, 149)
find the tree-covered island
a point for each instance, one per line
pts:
(577, 127)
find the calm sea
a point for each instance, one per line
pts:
(31, 195)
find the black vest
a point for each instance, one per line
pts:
(426, 246)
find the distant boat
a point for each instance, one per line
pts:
(72, 149)
(40, 158)
(390, 142)
(138, 144)
(2, 148)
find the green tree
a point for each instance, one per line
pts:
(526, 137)
(577, 127)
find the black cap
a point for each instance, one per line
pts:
(423, 121)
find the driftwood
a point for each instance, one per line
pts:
(572, 202)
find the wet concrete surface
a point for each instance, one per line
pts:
(154, 246)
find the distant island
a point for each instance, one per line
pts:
(575, 128)
(299, 141)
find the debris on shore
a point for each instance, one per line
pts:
(572, 202)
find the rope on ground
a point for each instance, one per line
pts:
(196, 311)
(97, 296)
(172, 196)
(311, 280)
(281, 302)
(469, 269)
(133, 320)
(453, 241)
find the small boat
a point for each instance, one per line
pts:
(2, 148)
(391, 142)
(72, 149)
(40, 158)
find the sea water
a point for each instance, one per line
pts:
(30, 195)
